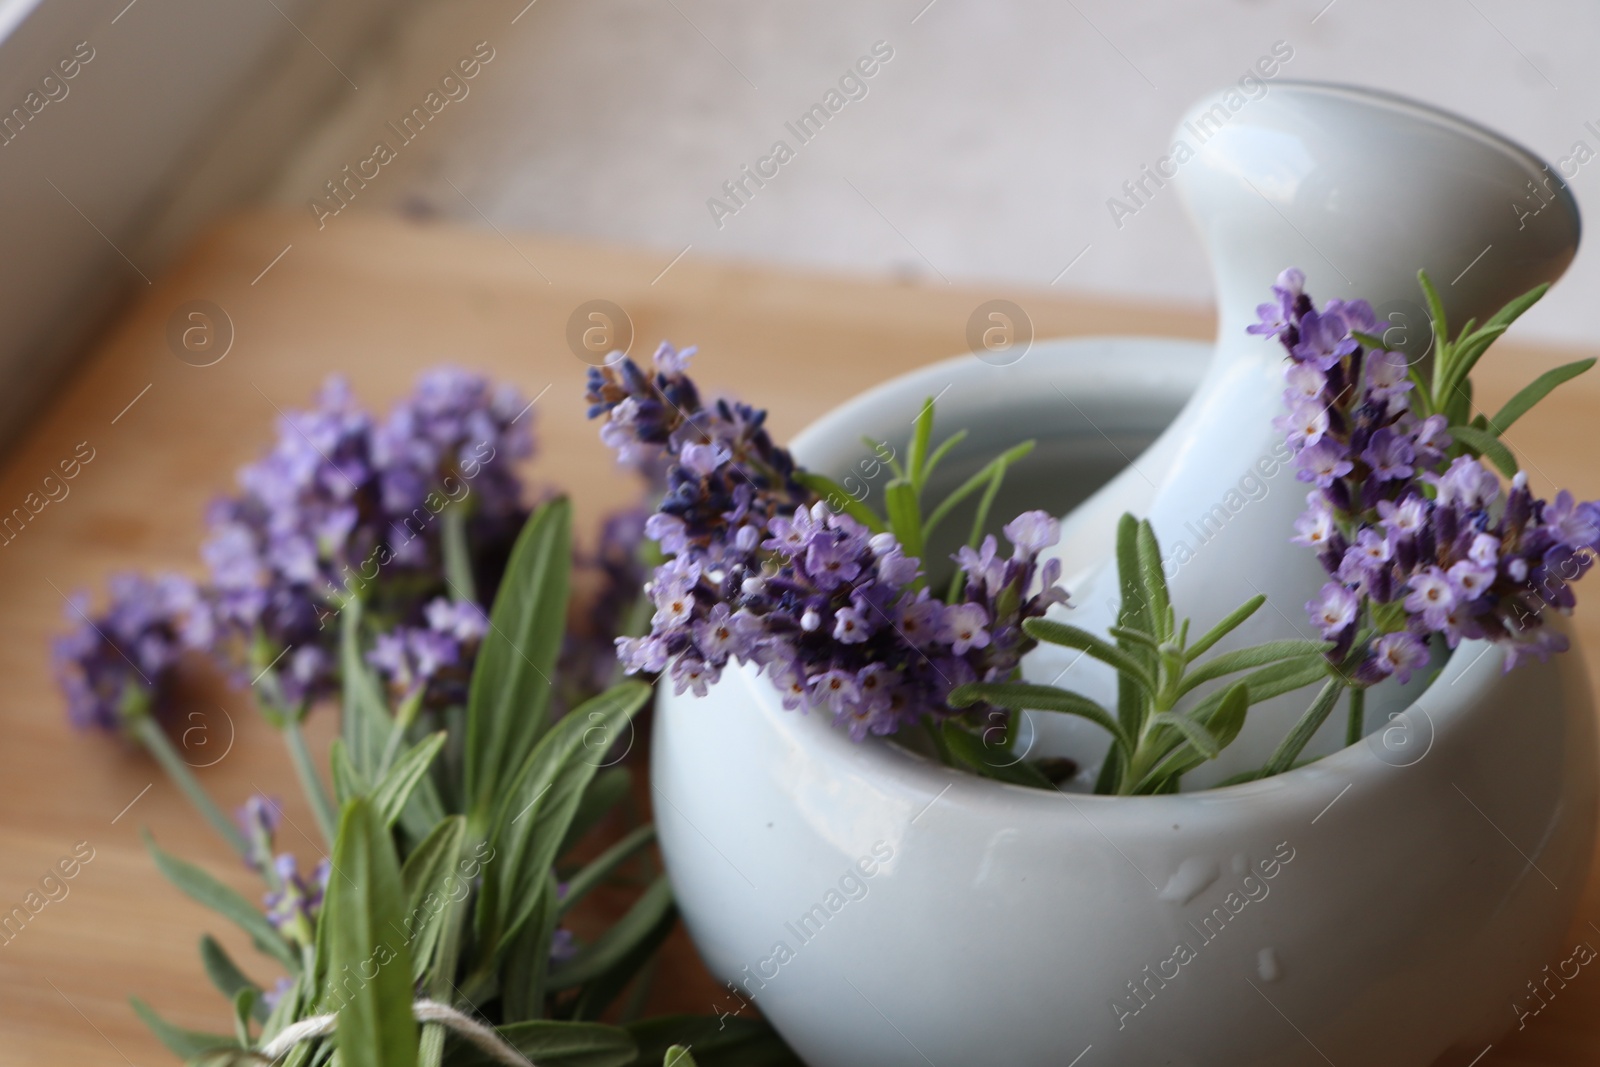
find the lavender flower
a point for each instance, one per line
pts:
(258, 819)
(434, 659)
(1419, 539)
(292, 907)
(292, 902)
(340, 499)
(723, 471)
(118, 665)
(762, 572)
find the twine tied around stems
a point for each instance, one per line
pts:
(481, 1037)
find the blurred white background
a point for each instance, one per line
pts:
(985, 150)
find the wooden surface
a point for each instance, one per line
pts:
(379, 301)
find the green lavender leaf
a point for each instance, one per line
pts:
(1229, 717)
(1025, 695)
(226, 975)
(204, 889)
(348, 782)
(1195, 734)
(839, 499)
(244, 1005)
(597, 870)
(1133, 612)
(364, 718)
(1441, 337)
(1133, 698)
(973, 484)
(1112, 768)
(185, 1043)
(724, 1040)
(1464, 357)
(1243, 659)
(629, 953)
(369, 969)
(1229, 623)
(1289, 749)
(1224, 725)
(539, 804)
(921, 437)
(509, 698)
(939, 453)
(429, 878)
(390, 796)
(980, 516)
(550, 1043)
(1485, 444)
(969, 751)
(1534, 392)
(1059, 633)
(1457, 405)
(619, 940)
(457, 557)
(525, 968)
(1469, 348)
(1272, 681)
(1153, 581)
(609, 788)
(1126, 637)
(905, 516)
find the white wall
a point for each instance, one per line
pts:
(184, 109)
(986, 148)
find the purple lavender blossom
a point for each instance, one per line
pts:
(1280, 317)
(292, 902)
(1334, 609)
(1398, 654)
(119, 664)
(760, 571)
(341, 499)
(563, 945)
(258, 819)
(723, 470)
(434, 659)
(836, 616)
(292, 907)
(1420, 539)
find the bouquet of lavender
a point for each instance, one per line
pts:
(435, 930)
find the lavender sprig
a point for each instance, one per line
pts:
(1420, 541)
(824, 597)
(344, 505)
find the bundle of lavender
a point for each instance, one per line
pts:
(393, 567)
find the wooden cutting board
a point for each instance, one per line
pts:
(379, 300)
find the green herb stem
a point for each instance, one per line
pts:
(1315, 715)
(155, 741)
(1355, 727)
(430, 1050)
(306, 769)
(457, 558)
(404, 716)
